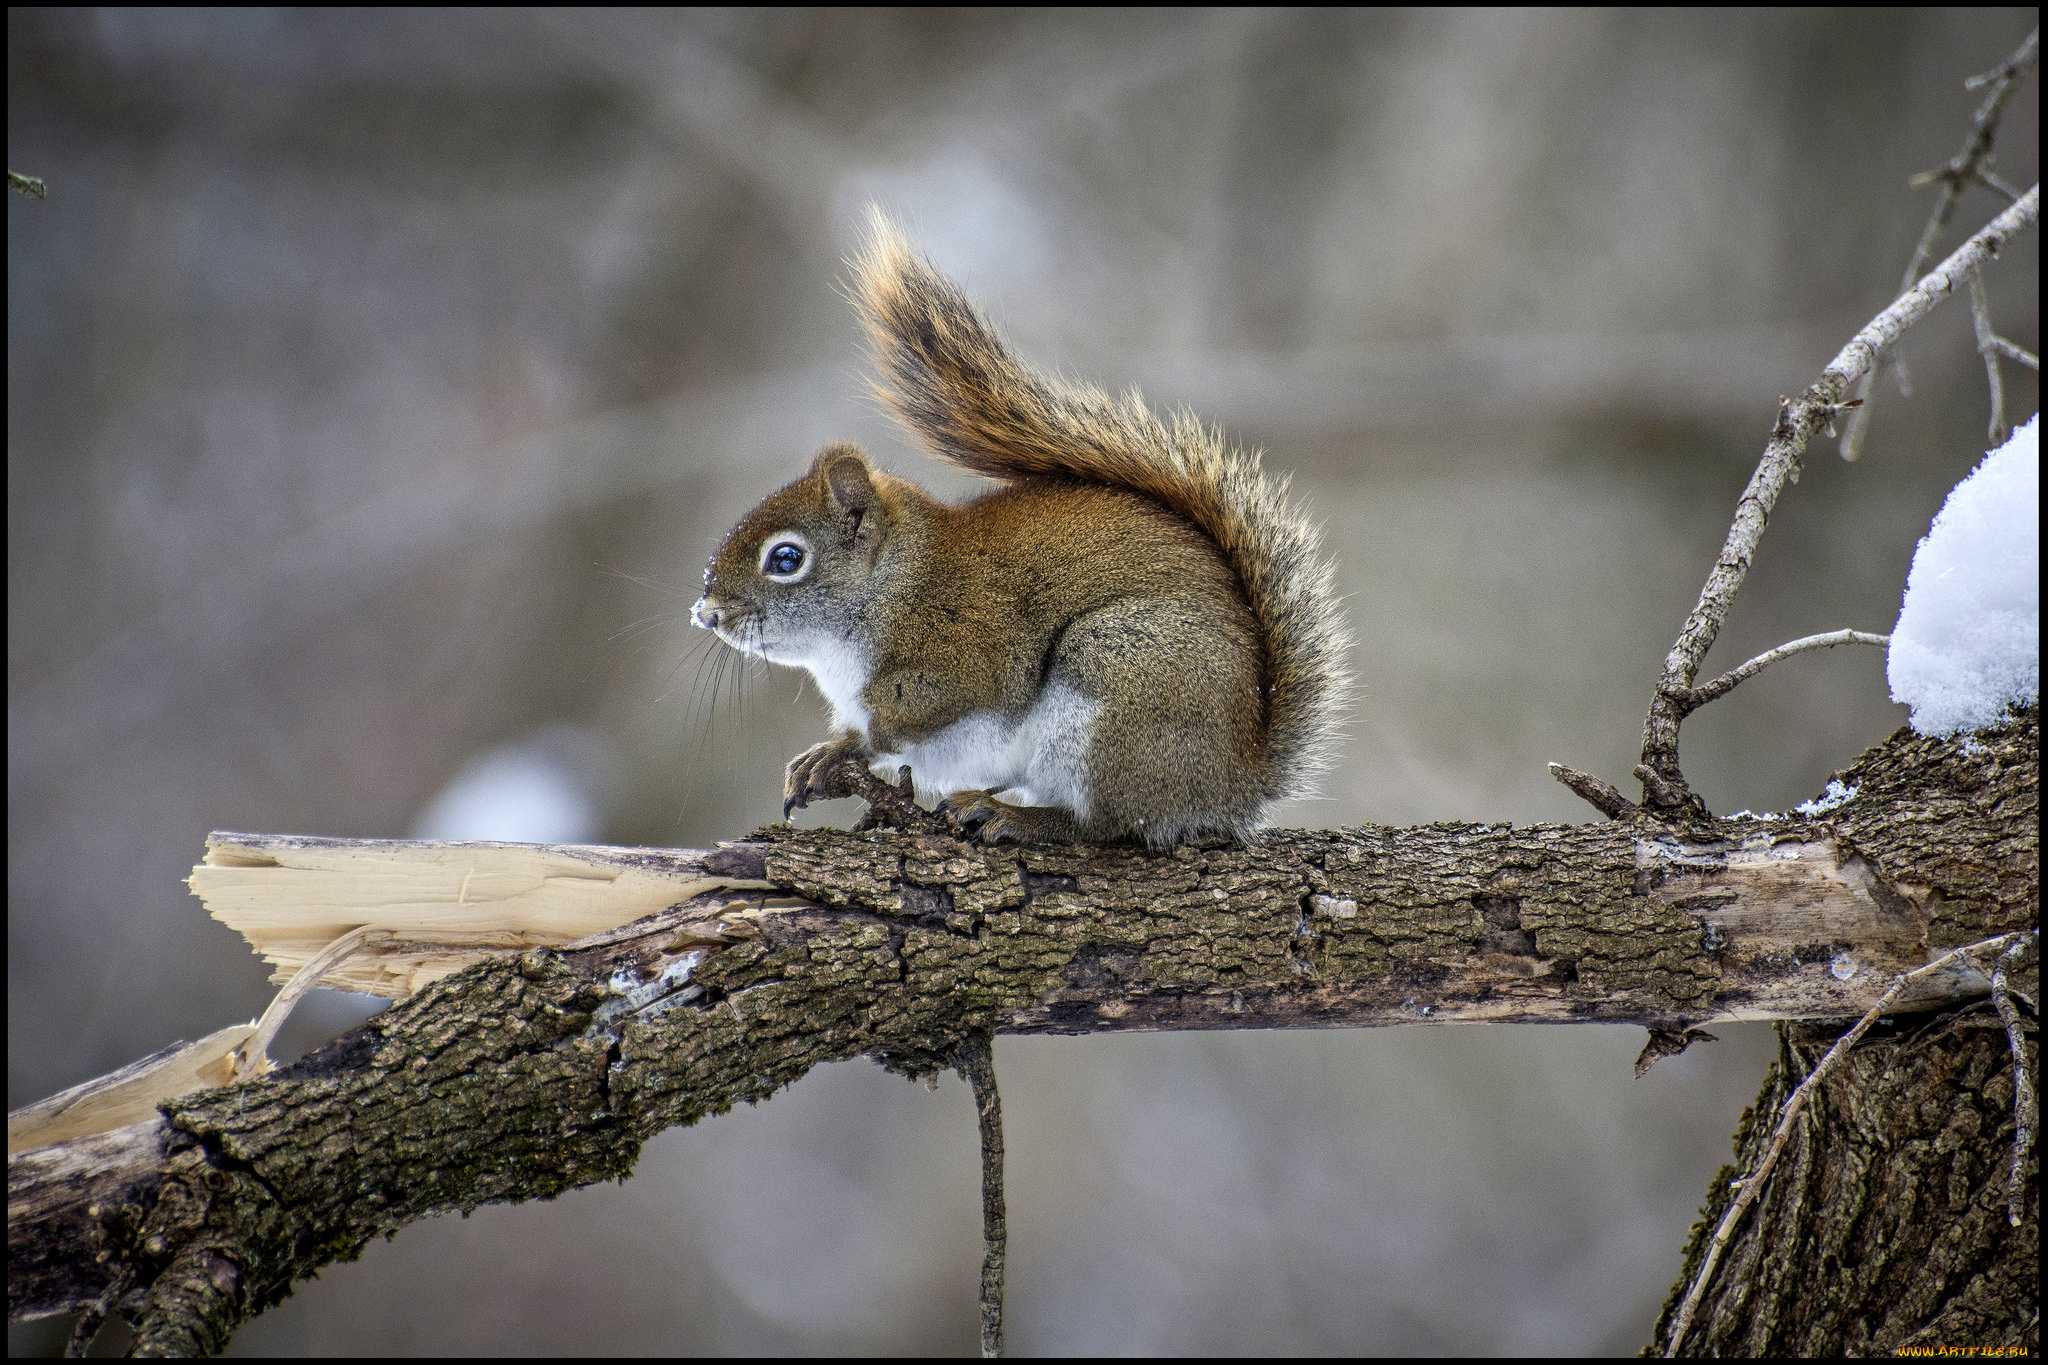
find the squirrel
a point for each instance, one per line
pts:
(1134, 638)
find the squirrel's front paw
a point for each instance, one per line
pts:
(824, 772)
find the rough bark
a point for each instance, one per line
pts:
(529, 1075)
(1885, 1226)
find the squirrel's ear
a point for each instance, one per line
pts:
(837, 451)
(848, 481)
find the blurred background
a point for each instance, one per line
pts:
(379, 383)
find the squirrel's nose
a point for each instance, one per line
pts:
(705, 613)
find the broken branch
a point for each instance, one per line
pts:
(1598, 794)
(977, 1066)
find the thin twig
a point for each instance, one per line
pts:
(1799, 421)
(1598, 794)
(1721, 686)
(1970, 164)
(975, 1062)
(2025, 1103)
(1987, 347)
(2018, 64)
(30, 185)
(2019, 353)
(1997, 184)
(86, 1329)
(1751, 1186)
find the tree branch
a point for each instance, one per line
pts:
(1972, 163)
(539, 1070)
(2015, 352)
(1596, 793)
(977, 1066)
(2025, 1100)
(1987, 348)
(1799, 420)
(1699, 696)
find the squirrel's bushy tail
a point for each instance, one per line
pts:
(951, 380)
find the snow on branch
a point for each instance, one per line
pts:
(1967, 648)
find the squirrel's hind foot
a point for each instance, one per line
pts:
(981, 816)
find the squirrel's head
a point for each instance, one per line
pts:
(793, 580)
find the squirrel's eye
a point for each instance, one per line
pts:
(783, 559)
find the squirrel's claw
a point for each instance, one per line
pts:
(824, 772)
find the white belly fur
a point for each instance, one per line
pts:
(841, 674)
(1038, 761)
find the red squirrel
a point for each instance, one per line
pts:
(1134, 637)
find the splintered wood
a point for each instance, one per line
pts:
(448, 904)
(129, 1095)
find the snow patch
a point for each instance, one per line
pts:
(1967, 647)
(1835, 795)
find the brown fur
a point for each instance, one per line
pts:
(951, 381)
(1136, 606)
